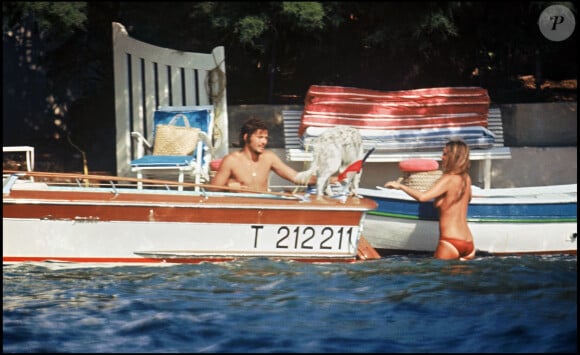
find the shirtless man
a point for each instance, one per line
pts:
(249, 167)
(451, 194)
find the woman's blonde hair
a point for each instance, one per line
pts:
(458, 163)
(457, 157)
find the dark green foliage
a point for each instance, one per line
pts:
(58, 63)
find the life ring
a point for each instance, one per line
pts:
(418, 165)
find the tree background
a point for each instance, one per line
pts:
(58, 76)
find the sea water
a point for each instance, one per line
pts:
(395, 304)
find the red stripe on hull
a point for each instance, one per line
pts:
(177, 214)
(96, 206)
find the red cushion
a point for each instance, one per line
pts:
(416, 165)
(215, 164)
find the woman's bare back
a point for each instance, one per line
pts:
(453, 208)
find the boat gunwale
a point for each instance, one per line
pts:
(198, 205)
(541, 197)
(477, 219)
(217, 200)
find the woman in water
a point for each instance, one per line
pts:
(451, 194)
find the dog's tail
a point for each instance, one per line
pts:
(355, 167)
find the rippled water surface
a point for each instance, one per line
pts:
(395, 304)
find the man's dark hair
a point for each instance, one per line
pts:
(251, 126)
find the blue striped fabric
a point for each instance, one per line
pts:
(476, 137)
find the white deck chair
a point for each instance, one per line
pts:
(197, 164)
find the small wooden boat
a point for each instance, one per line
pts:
(63, 217)
(504, 221)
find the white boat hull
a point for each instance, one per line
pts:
(528, 220)
(131, 241)
(393, 235)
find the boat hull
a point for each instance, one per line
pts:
(103, 225)
(503, 222)
(153, 242)
(390, 236)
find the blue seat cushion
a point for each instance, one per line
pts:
(162, 161)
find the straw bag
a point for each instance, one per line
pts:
(171, 139)
(421, 181)
(419, 174)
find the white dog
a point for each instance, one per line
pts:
(334, 150)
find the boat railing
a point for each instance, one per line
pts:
(19, 180)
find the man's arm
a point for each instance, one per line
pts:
(222, 176)
(280, 168)
(285, 171)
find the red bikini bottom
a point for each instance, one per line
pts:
(463, 246)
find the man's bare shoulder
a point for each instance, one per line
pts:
(234, 155)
